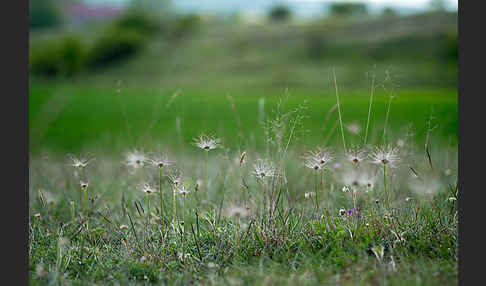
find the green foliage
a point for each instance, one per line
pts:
(348, 9)
(44, 14)
(139, 21)
(57, 58)
(450, 44)
(143, 272)
(115, 45)
(279, 13)
(184, 26)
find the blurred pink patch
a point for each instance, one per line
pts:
(336, 166)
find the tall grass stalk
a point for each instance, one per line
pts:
(369, 109)
(387, 116)
(339, 110)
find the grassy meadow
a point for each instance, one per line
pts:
(289, 188)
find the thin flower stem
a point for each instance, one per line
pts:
(174, 206)
(261, 196)
(384, 185)
(322, 182)
(184, 214)
(160, 192)
(206, 172)
(148, 207)
(81, 200)
(86, 201)
(315, 184)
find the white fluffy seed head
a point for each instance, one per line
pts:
(263, 169)
(147, 188)
(356, 155)
(175, 177)
(135, 158)
(386, 155)
(182, 190)
(79, 162)
(160, 161)
(207, 142)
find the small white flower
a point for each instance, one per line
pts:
(368, 181)
(146, 188)
(321, 156)
(312, 163)
(308, 195)
(176, 177)
(342, 212)
(452, 199)
(78, 163)
(354, 128)
(447, 172)
(356, 155)
(135, 158)
(183, 190)
(263, 169)
(160, 161)
(408, 199)
(84, 185)
(207, 143)
(386, 155)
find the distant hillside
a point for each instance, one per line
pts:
(418, 50)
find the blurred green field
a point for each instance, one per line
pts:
(216, 58)
(72, 118)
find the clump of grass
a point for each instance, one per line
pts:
(257, 228)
